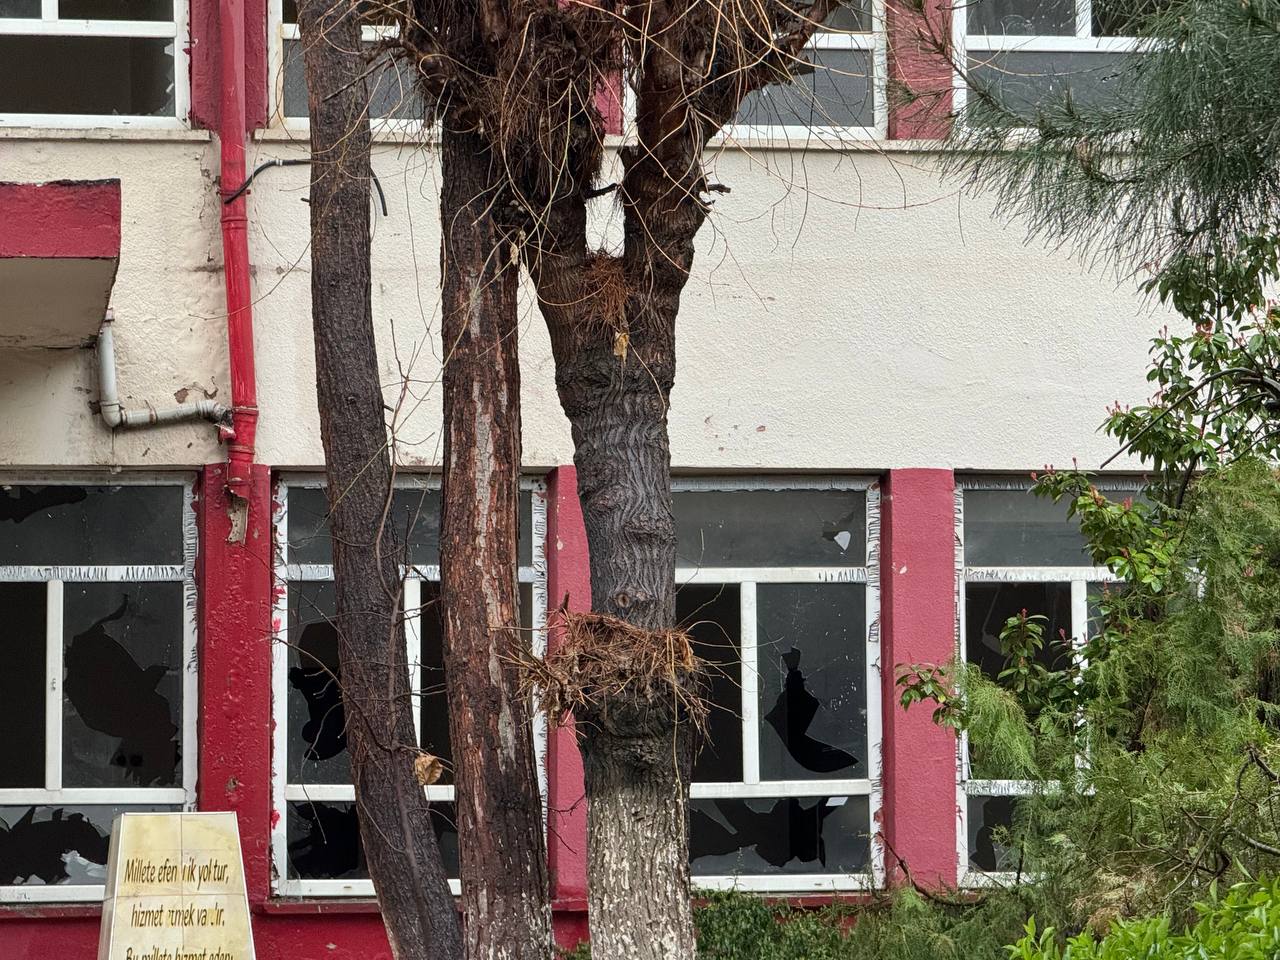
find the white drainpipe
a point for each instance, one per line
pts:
(114, 415)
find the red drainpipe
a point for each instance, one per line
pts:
(232, 127)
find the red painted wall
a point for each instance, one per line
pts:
(920, 76)
(205, 71)
(235, 667)
(61, 218)
(917, 617)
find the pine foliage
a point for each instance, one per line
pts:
(1185, 159)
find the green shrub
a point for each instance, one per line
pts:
(1243, 926)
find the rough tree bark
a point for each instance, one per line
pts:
(395, 823)
(614, 373)
(525, 73)
(505, 895)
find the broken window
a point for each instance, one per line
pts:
(775, 584)
(319, 852)
(96, 595)
(93, 62)
(1021, 556)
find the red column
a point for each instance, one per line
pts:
(568, 576)
(235, 667)
(918, 611)
(919, 70)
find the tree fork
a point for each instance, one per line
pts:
(505, 896)
(395, 819)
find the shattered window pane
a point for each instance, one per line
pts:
(435, 707)
(122, 684)
(770, 528)
(22, 685)
(711, 613)
(988, 606)
(1015, 528)
(58, 844)
(784, 835)
(990, 821)
(62, 524)
(317, 723)
(811, 654)
(324, 840)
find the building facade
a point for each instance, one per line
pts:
(870, 366)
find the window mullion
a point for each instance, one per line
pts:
(1084, 19)
(49, 10)
(413, 643)
(750, 685)
(53, 686)
(1079, 637)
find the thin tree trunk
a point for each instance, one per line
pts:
(505, 896)
(395, 822)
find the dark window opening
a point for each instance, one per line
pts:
(711, 613)
(22, 684)
(99, 76)
(779, 835)
(324, 840)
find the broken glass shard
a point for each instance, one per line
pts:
(122, 669)
(784, 835)
(323, 840)
(811, 655)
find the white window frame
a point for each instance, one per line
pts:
(876, 43)
(283, 793)
(55, 577)
(1080, 578)
(751, 786)
(980, 45)
(48, 25)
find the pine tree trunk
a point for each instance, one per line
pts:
(505, 896)
(395, 823)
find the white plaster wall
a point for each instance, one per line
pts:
(846, 312)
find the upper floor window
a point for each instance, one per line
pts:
(842, 97)
(393, 98)
(316, 844)
(1020, 559)
(1029, 53)
(119, 63)
(776, 583)
(97, 691)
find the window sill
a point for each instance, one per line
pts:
(297, 133)
(135, 134)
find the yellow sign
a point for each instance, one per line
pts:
(175, 889)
